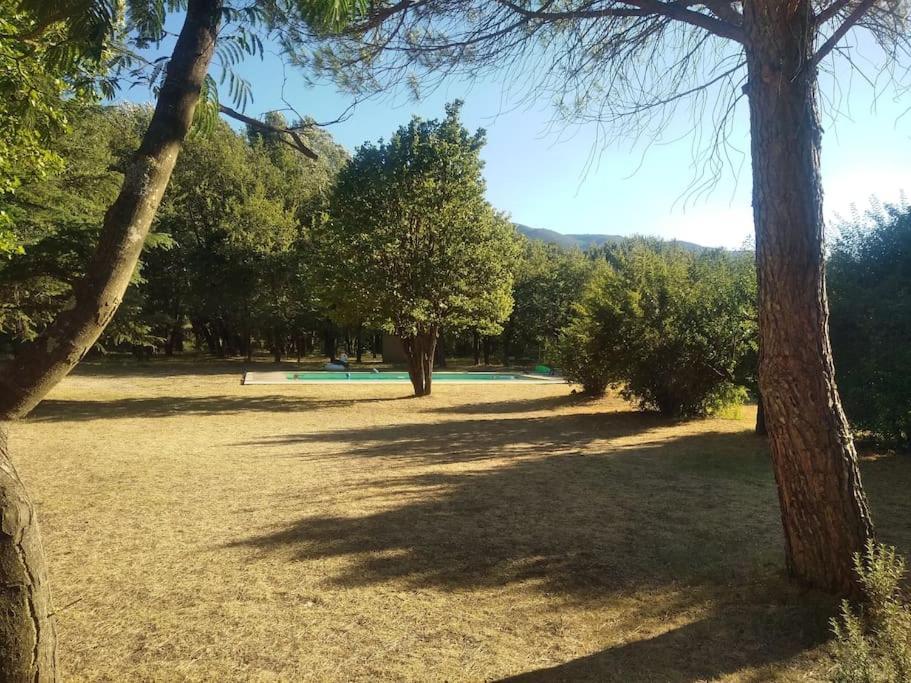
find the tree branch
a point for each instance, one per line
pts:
(639, 8)
(850, 21)
(830, 12)
(296, 142)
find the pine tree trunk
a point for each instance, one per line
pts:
(823, 508)
(27, 634)
(47, 360)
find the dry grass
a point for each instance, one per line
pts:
(211, 531)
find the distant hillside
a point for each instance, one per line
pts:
(584, 241)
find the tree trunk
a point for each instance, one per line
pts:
(760, 429)
(439, 357)
(27, 634)
(476, 344)
(47, 360)
(419, 351)
(823, 508)
(359, 344)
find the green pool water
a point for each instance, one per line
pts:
(362, 376)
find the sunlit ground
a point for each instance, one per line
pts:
(200, 529)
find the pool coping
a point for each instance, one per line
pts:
(280, 377)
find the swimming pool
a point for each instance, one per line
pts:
(392, 377)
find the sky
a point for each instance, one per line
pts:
(544, 177)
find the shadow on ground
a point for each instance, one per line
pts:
(720, 644)
(522, 405)
(587, 508)
(51, 410)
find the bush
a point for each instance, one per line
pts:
(672, 327)
(869, 274)
(873, 643)
(581, 351)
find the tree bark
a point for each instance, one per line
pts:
(419, 350)
(47, 360)
(27, 633)
(823, 507)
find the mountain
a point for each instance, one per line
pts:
(584, 241)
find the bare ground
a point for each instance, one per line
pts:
(201, 530)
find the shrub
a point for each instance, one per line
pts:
(873, 643)
(672, 327)
(583, 351)
(869, 275)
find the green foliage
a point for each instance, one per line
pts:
(57, 220)
(873, 642)
(548, 281)
(230, 249)
(411, 243)
(41, 84)
(670, 326)
(869, 281)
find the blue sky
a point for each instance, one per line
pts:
(544, 178)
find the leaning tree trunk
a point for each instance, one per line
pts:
(27, 644)
(43, 363)
(27, 638)
(823, 508)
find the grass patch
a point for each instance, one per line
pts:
(220, 532)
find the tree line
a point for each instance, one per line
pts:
(257, 248)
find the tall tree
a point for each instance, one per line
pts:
(27, 639)
(413, 241)
(630, 63)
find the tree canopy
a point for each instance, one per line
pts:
(412, 244)
(870, 282)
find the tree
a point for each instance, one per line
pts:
(870, 281)
(548, 281)
(27, 639)
(413, 244)
(629, 64)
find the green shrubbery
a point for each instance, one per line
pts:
(673, 328)
(869, 275)
(873, 643)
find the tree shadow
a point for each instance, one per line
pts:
(583, 508)
(719, 644)
(58, 410)
(461, 441)
(577, 524)
(523, 405)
